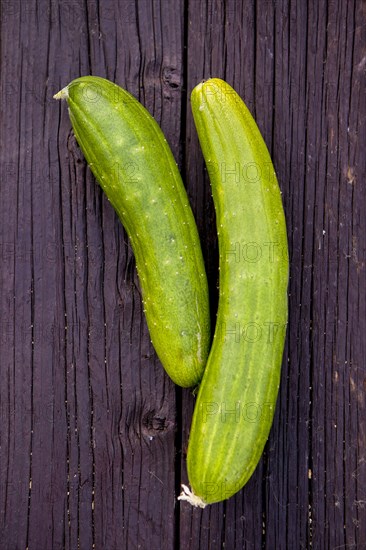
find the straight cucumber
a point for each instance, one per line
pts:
(237, 396)
(130, 157)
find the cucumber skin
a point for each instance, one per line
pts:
(130, 158)
(224, 449)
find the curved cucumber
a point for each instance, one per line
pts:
(237, 396)
(129, 156)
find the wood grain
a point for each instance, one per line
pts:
(93, 434)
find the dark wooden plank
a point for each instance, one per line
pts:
(338, 435)
(300, 69)
(88, 415)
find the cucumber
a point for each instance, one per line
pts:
(131, 159)
(237, 396)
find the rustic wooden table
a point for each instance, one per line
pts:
(93, 433)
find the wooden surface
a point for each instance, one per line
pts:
(93, 433)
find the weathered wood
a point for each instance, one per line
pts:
(93, 434)
(87, 412)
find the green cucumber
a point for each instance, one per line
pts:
(237, 396)
(131, 159)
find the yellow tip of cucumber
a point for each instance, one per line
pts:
(62, 94)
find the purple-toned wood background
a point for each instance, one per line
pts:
(93, 434)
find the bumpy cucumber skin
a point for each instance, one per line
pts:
(237, 396)
(130, 158)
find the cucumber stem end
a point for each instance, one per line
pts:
(62, 94)
(190, 497)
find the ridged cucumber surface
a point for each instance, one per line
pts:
(131, 159)
(237, 396)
